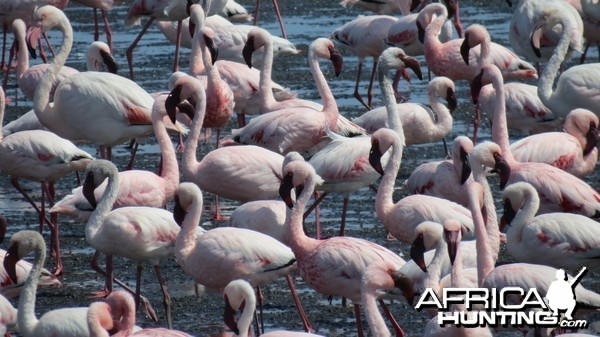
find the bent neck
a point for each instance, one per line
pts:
(169, 169)
(190, 162)
(267, 100)
(384, 201)
(186, 239)
(524, 216)
(558, 56)
(499, 126)
(247, 315)
(444, 118)
(299, 242)
(111, 192)
(372, 314)
(329, 105)
(26, 314)
(22, 57)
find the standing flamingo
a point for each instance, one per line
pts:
(68, 322)
(141, 234)
(265, 216)
(447, 178)
(101, 318)
(334, 266)
(559, 191)
(224, 254)
(444, 59)
(404, 34)
(238, 294)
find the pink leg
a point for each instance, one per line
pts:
(276, 6)
(476, 122)
(301, 312)
(359, 325)
(317, 223)
(96, 33)
(48, 45)
(314, 205)
(344, 211)
(11, 55)
(107, 28)
(370, 92)
(55, 238)
(177, 44)
(259, 299)
(166, 297)
(356, 94)
(15, 182)
(218, 138)
(132, 159)
(388, 314)
(108, 275)
(129, 52)
(256, 12)
(217, 215)
(241, 119)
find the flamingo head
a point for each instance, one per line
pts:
(21, 244)
(550, 17)
(514, 197)
(97, 172)
(296, 174)
(452, 236)
(44, 19)
(417, 252)
(325, 49)
(248, 50)
(591, 138)
(257, 38)
(381, 141)
(208, 35)
(185, 87)
(502, 168)
(186, 196)
(100, 53)
(461, 149)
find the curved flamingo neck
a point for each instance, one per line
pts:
(558, 56)
(22, 57)
(524, 216)
(186, 239)
(169, 169)
(389, 100)
(190, 162)
(26, 314)
(372, 314)
(456, 278)
(499, 126)
(267, 100)
(246, 317)
(94, 317)
(485, 264)
(329, 104)
(384, 202)
(434, 270)
(111, 192)
(433, 30)
(299, 242)
(444, 118)
(197, 66)
(491, 220)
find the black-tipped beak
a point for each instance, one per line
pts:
(192, 28)
(109, 62)
(405, 284)
(248, 51)
(591, 139)
(178, 212)
(172, 101)
(212, 48)
(417, 252)
(33, 35)
(375, 157)
(452, 243)
(421, 32)
(285, 189)
(88, 189)
(187, 108)
(535, 40)
(229, 317)
(502, 168)
(451, 99)
(465, 172)
(10, 262)
(476, 85)
(337, 60)
(508, 215)
(414, 65)
(464, 49)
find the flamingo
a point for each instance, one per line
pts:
(240, 173)
(590, 15)
(343, 162)
(335, 266)
(400, 219)
(419, 124)
(136, 187)
(299, 128)
(444, 59)
(68, 322)
(573, 151)
(169, 29)
(560, 240)
(119, 108)
(104, 6)
(8, 313)
(403, 34)
(101, 318)
(265, 216)
(234, 12)
(578, 86)
(559, 190)
(141, 234)
(224, 254)
(238, 294)
(447, 178)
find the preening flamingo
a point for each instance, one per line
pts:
(240, 173)
(224, 254)
(118, 313)
(136, 187)
(445, 59)
(265, 216)
(299, 128)
(578, 86)
(141, 234)
(573, 151)
(559, 191)
(68, 322)
(238, 295)
(335, 266)
(447, 178)
(560, 240)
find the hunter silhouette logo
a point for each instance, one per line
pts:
(561, 293)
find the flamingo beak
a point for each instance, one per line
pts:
(187, 108)
(172, 101)
(452, 243)
(33, 35)
(337, 60)
(466, 166)
(405, 284)
(591, 139)
(451, 99)
(88, 189)
(375, 157)
(229, 317)
(109, 62)
(212, 48)
(502, 168)
(536, 38)
(465, 48)
(417, 252)
(178, 212)
(507, 216)
(248, 51)
(414, 65)
(421, 32)
(476, 85)
(192, 28)
(10, 262)
(285, 189)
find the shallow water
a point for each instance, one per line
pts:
(305, 21)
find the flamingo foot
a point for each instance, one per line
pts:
(58, 270)
(390, 237)
(148, 309)
(100, 294)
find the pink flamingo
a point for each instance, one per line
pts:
(238, 294)
(240, 173)
(445, 59)
(224, 254)
(119, 108)
(265, 216)
(68, 322)
(104, 6)
(335, 266)
(559, 190)
(136, 187)
(118, 311)
(578, 86)
(400, 219)
(590, 15)
(447, 178)
(560, 240)
(299, 128)
(573, 151)
(9, 317)
(404, 34)
(169, 29)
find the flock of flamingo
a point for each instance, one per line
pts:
(293, 150)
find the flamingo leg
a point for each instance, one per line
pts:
(218, 138)
(356, 93)
(344, 211)
(446, 150)
(4, 31)
(11, 55)
(132, 159)
(256, 327)
(54, 231)
(276, 6)
(256, 12)
(370, 92)
(217, 215)
(15, 182)
(177, 44)
(49, 47)
(259, 298)
(129, 52)
(359, 325)
(388, 314)
(138, 285)
(301, 312)
(587, 46)
(241, 119)
(108, 275)
(475, 123)
(166, 297)
(315, 204)
(107, 29)
(317, 223)
(96, 32)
